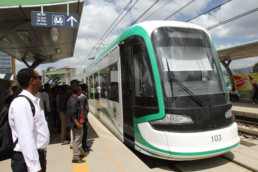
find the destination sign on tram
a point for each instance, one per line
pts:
(50, 19)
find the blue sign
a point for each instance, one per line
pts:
(48, 19)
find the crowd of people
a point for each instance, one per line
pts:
(58, 109)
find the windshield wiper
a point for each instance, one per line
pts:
(193, 97)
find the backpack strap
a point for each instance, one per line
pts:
(31, 104)
(33, 112)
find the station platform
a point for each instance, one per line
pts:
(110, 155)
(245, 109)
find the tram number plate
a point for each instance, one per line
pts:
(216, 138)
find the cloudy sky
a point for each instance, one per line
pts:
(99, 15)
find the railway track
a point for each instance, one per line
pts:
(231, 161)
(248, 132)
(216, 164)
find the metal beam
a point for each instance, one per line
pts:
(226, 66)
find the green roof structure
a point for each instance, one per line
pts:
(56, 72)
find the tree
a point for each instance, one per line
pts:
(255, 68)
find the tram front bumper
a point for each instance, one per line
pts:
(187, 146)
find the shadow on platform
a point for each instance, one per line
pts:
(55, 137)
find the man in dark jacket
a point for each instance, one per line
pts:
(84, 102)
(76, 119)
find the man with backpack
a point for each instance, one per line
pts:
(30, 129)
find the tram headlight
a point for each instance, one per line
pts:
(228, 114)
(174, 119)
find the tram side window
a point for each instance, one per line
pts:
(88, 91)
(96, 85)
(91, 87)
(104, 82)
(144, 82)
(113, 84)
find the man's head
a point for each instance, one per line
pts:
(74, 82)
(76, 90)
(47, 86)
(84, 87)
(29, 79)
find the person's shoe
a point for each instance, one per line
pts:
(78, 161)
(87, 149)
(82, 155)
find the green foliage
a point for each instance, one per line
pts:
(247, 94)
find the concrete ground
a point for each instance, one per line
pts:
(110, 155)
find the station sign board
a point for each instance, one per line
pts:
(52, 19)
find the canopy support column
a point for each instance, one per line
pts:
(226, 66)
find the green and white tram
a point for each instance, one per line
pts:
(159, 88)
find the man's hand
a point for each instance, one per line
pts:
(79, 126)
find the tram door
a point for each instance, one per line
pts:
(127, 89)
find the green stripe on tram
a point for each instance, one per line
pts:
(139, 138)
(190, 154)
(106, 113)
(137, 30)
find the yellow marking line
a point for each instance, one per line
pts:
(105, 147)
(80, 167)
(112, 157)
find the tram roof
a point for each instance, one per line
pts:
(239, 52)
(23, 41)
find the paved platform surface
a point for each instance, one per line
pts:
(110, 155)
(245, 109)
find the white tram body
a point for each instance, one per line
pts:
(160, 89)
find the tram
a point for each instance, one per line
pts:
(160, 89)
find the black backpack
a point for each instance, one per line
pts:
(6, 142)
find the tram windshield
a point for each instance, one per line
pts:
(188, 67)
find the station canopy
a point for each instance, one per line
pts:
(239, 52)
(28, 43)
(56, 72)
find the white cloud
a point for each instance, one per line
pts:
(98, 15)
(242, 27)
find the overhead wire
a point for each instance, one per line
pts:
(232, 19)
(94, 47)
(116, 19)
(122, 17)
(145, 12)
(112, 26)
(208, 10)
(157, 10)
(179, 9)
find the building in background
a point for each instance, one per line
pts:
(7, 66)
(71, 70)
(58, 76)
(243, 70)
(45, 78)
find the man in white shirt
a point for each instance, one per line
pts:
(32, 132)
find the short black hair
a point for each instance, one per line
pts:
(75, 89)
(84, 86)
(24, 76)
(47, 85)
(74, 81)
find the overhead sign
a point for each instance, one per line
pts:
(49, 19)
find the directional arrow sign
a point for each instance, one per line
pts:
(72, 19)
(49, 19)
